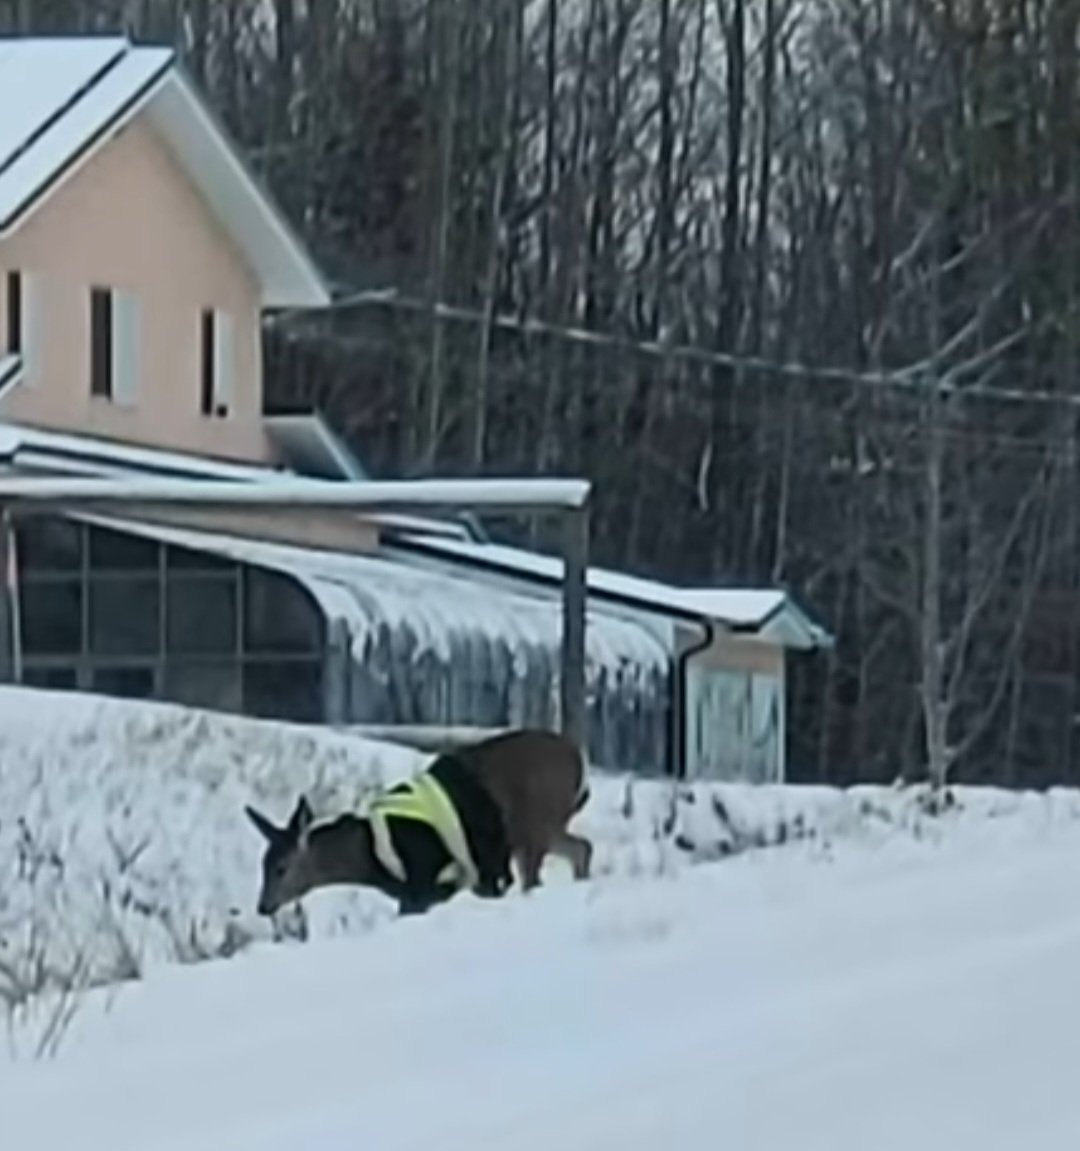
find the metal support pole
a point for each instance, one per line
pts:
(574, 717)
(8, 600)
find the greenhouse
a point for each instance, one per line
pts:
(289, 633)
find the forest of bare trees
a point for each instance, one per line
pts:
(794, 283)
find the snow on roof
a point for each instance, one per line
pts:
(770, 614)
(360, 589)
(62, 98)
(37, 450)
(89, 455)
(292, 491)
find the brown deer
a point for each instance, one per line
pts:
(454, 826)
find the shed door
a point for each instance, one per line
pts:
(733, 723)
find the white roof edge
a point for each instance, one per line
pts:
(308, 288)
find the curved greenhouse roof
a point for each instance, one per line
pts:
(432, 648)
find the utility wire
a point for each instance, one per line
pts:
(912, 378)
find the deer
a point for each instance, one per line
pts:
(454, 826)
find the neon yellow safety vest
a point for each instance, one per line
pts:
(423, 799)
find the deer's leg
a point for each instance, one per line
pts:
(530, 859)
(577, 851)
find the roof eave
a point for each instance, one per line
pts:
(336, 451)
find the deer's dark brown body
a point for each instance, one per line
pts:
(537, 781)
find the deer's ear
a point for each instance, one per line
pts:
(302, 817)
(266, 828)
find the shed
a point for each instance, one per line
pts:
(728, 650)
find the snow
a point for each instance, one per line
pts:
(732, 607)
(506, 494)
(57, 96)
(886, 991)
(93, 455)
(38, 78)
(125, 846)
(85, 455)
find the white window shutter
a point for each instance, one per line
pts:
(126, 348)
(224, 362)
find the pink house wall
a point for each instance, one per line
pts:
(129, 219)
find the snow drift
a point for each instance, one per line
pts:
(907, 995)
(123, 843)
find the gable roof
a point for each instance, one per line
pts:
(61, 99)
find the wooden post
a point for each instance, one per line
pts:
(8, 600)
(574, 717)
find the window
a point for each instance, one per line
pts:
(284, 689)
(181, 559)
(101, 349)
(204, 683)
(49, 544)
(114, 345)
(58, 677)
(132, 681)
(280, 617)
(14, 296)
(51, 616)
(125, 615)
(120, 551)
(216, 362)
(201, 614)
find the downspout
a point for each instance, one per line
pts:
(677, 718)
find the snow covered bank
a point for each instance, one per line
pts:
(893, 1000)
(123, 843)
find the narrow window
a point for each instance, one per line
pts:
(216, 363)
(14, 313)
(206, 347)
(101, 342)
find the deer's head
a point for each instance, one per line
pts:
(288, 867)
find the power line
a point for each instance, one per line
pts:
(911, 378)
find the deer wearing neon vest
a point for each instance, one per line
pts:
(456, 826)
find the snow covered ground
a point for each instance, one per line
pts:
(878, 978)
(911, 995)
(123, 842)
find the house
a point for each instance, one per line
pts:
(138, 258)
(138, 254)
